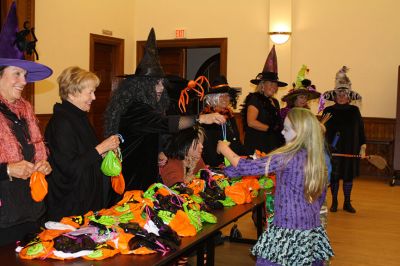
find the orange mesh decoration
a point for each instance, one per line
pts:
(181, 224)
(143, 251)
(251, 183)
(118, 183)
(163, 191)
(103, 252)
(43, 250)
(123, 241)
(197, 185)
(137, 196)
(239, 193)
(77, 221)
(38, 186)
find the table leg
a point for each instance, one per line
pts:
(200, 255)
(259, 220)
(211, 250)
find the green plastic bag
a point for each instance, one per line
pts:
(111, 165)
(222, 183)
(106, 220)
(208, 217)
(197, 199)
(227, 202)
(149, 193)
(194, 217)
(166, 216)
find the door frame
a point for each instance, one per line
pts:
(221, 43)
(116, 42)
(119, 46)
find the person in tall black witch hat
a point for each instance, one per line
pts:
(345, 134)
(220, 98)
(261, 118)
(137, 112)
(22, 150)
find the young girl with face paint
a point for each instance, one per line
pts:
(296, 236)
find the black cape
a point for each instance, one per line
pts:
(76, 184)
(346, 120)
(141, 126)
(213, 135)
(269, 114)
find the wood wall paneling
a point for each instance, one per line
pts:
(397, 130)
(380, 135)
(379, 132)
(43, 120)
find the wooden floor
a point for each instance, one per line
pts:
(369, 237)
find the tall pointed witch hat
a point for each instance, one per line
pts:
(270, 71)
(10, 55)
(343, 83)
(150, 65)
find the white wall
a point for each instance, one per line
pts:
(243, 22)
(364, 35)
(63, 29)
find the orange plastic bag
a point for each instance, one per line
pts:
(181, 224)
(39, 187)
(118, 183)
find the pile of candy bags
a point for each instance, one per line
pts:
(145, 222)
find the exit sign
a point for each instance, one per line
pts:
(180, 33)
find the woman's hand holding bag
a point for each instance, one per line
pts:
(111, 166)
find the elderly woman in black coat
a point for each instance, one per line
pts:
(77, 184)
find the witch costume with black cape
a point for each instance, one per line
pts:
(135, 112)
(268, 111)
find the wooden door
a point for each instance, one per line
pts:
(173, 53)
(107, 61)
(173, 61)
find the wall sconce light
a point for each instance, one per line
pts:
(279, 37)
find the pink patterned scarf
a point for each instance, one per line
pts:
(10, 148)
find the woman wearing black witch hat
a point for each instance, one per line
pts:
(220, 98)
(261, 111)
(137, 112)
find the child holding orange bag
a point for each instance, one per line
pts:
(296, 236)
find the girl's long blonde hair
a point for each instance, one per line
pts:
(309, 136)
